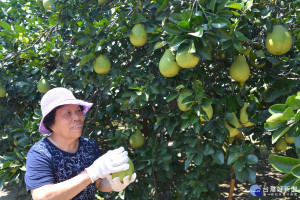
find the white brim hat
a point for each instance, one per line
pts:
(57, 97)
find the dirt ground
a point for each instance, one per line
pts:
(266, 176)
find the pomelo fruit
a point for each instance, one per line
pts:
(43, 85)
(127, 172)
(209, 112)
(279, 41)
(281, 144)
(186, 60)
(2, 91)
(137, 140)
(239, 70)
(182, 96)
(48, 3)
(102, 64)
(289, 140)
(138, 36)
(168, 67)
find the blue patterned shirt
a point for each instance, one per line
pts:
(47, 164)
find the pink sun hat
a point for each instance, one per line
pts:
(56, 97)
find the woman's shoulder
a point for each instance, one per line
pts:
(40, 146)
(87, 140)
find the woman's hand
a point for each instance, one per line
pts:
(113, 161)
(117, 185)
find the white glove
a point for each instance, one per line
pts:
(113, 161)
(117, 185)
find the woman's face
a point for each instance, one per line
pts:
(68, 121)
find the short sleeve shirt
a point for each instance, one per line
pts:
(47, 164)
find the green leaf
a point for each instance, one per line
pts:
(185, 124)
(2, 180)
(279, 133)
(283, 164)
(188, 161)
(188, 99)
(293, 102)
(225, 14)
(297, 185)
(240, 164)
(241, 175)
(288, 114)
(163, 6)
(297, 142)
(223, 35)
(218, 157)
(278, 108)
(238, 46)
(249, 4)
(297, 117)
(251, 159)
(175, 17)
(234, 5)
(195, 119)
(154, 89)
(239, 35)
(208, 149)
(296, 171)
(198, 158)
(203, 52)
(170, 97)
(197, 127)
(251, 175)
(86, 58)
(220, 23)
(212, 5)
(177, 41)
(198, 33)
(5, 25)
(184, 26)
(288, 180)
(172, 29)
(232, 157)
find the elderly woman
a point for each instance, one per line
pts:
(65, 165)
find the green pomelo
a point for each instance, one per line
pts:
(279, 41)
(289, 140)
(137, 140)
(43, 85)
(102, 64)
(2, 91)
(186, 59)
(168, 67)
(244, 118)
(209, 112)
(235, 122)
(182, 96)
(48, 3)
(239, 70)
(138, 36)
(127, 172)
(102, 2)
(281, 144)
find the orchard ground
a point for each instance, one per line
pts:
(267, 176)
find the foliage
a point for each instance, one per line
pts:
(181, 157)
(289, 125)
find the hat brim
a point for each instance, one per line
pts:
(86, 107)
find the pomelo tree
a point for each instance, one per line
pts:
(182, 156)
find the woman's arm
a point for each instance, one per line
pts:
(63, 190)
